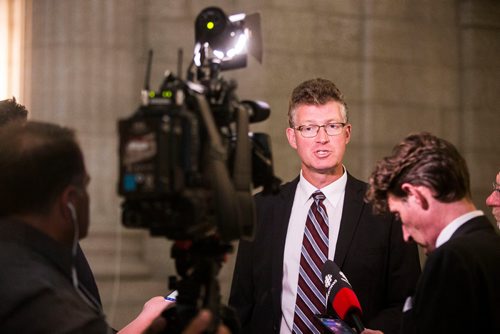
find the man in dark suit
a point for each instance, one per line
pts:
(44, 211)
(11, 111)
(381, 268)
(426, 183)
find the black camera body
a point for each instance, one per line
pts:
(161, 169)
(187, 160)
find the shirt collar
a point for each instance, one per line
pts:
(331, 191)
(448, 231)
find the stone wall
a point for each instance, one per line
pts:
(404, 66)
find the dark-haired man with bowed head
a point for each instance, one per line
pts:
(425, 182)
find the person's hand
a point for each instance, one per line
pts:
(155, 306)
(197, 326)
(371, 331)
(151, 310)
(201, 323)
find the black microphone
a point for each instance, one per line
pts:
(341, 297)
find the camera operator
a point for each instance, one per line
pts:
(44, 211)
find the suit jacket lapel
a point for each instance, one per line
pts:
(280, 219)
(351, 213)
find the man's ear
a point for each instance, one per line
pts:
(347, 130)
(290, 135)
(68, 199)
(417, 194)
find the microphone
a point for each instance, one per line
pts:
(341, 297)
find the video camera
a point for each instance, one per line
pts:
(188, 163)
(187, 160)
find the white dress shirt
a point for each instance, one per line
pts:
(448, 231)
(333, 202)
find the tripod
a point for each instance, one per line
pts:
(198, 263)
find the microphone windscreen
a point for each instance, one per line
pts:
(339, 293)
(346, 301)
(333, 279)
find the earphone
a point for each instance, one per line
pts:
(72, 209)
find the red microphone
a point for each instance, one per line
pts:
(341, 296)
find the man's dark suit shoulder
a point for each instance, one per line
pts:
(460, 281)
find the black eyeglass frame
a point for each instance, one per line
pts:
(300, 128)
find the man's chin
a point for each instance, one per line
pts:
(326, 170)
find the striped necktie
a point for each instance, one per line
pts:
(310, 291)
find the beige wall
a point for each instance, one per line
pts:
(403, 66)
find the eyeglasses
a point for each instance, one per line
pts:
(309, 131)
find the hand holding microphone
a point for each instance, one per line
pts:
(341, 297)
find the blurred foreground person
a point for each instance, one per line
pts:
(11, 111)
(44, 211)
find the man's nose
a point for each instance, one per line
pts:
(494, 199)
(322, 136)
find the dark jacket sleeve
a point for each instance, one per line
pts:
(242, 285)
(403, 270)
(256, 286)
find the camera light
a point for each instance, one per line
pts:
(219, 54)
(197, 55)
(240, 46)
(237, 17)
(166, 93)
(224, 40)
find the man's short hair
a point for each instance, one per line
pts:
(421, 159)
(315, 92)
(10, 111)
(37, 161)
